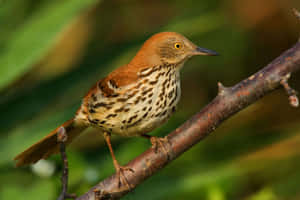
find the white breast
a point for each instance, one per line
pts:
(158, 100)
(139, 107)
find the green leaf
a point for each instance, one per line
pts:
(34, 38)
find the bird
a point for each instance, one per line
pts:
(132, 100)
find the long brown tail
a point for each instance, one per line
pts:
(48, 145)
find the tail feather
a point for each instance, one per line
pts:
(48, 145)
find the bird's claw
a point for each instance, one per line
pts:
(121, 176)
(160, 142)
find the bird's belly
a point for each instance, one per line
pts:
(138, 110)
(146, 120)
(150, 113)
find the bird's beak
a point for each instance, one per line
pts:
(204, 52)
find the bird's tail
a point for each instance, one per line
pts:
(49, 144)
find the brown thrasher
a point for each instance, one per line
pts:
(131, 101)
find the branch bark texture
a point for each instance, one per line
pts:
(229, 101)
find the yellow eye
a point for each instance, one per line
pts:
(177, 45)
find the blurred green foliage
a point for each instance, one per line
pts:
(51, 52)
(29, 42)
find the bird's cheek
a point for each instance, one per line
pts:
(184, 57)
(172, 60)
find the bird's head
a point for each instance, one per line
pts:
(169, 48)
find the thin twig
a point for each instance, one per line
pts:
(62, 138)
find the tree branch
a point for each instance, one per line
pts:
(229, 101)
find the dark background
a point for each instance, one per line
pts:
(51, 53)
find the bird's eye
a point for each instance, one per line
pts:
(177, 45)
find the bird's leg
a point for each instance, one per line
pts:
(157, 142)
(119, 169)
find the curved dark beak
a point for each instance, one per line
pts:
(204, 52)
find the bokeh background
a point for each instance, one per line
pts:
(51, 53)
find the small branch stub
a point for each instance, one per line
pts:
(222, 90)
(61, 135)
(294, 101)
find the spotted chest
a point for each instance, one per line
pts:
(136, 108)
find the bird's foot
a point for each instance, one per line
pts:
(160, 143)
(122, 180)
